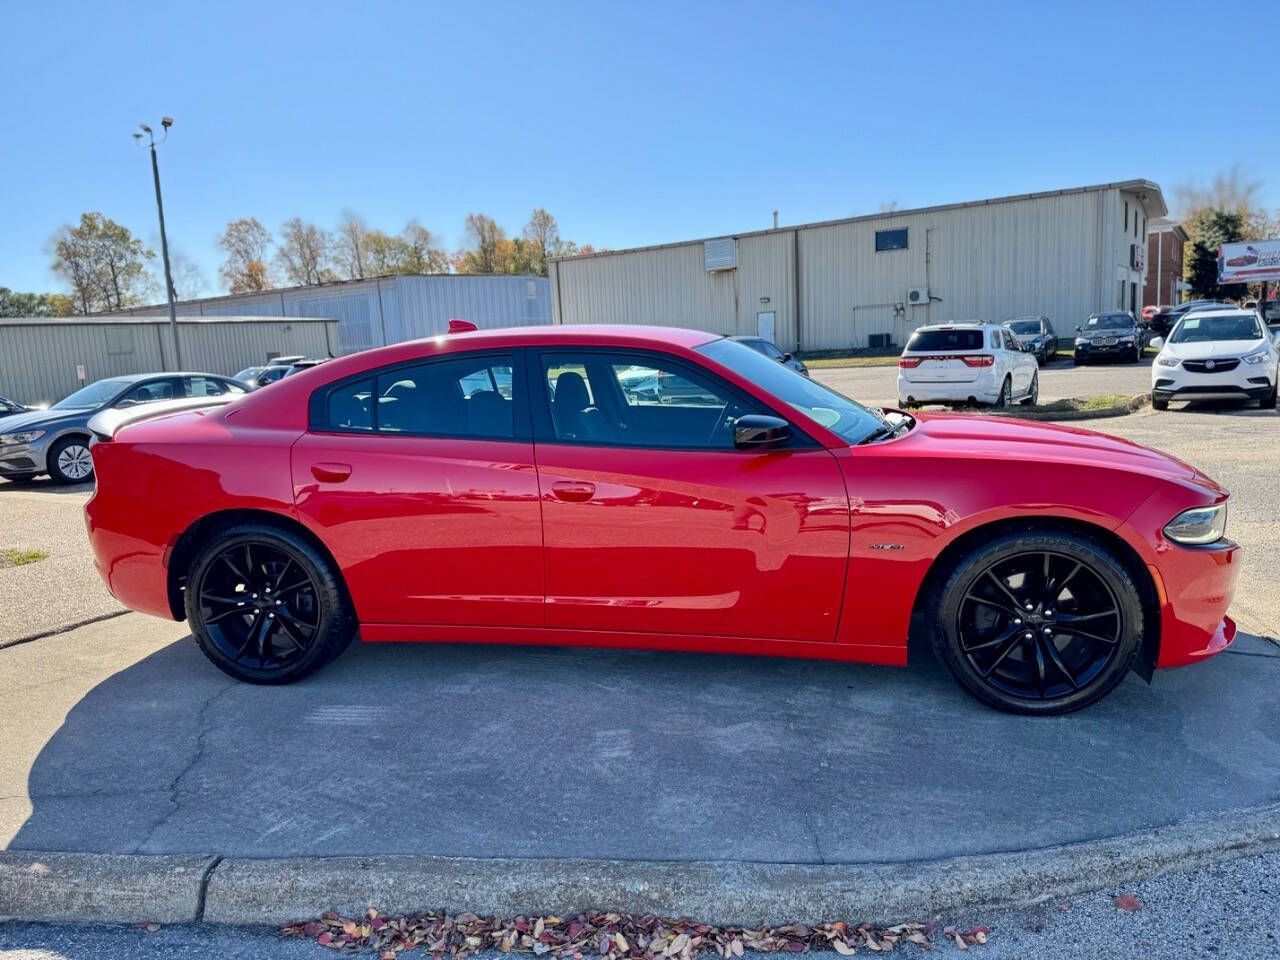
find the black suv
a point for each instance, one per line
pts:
(1114, 336)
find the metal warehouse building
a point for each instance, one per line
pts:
(868, 281)
(43, 360)
(382, 310)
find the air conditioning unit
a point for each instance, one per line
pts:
(918, 296)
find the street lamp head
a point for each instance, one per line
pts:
(145, 128)
(137, 136)
(166, 122)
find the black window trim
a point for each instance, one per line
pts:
(906, 239)
(318, 404)
(544, 429)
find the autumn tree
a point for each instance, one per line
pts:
(490, 248)
(104, 263)
(425, 255)
(15, 304)
(246, 242)
(351, 248)
(541, 239)
(303, 252)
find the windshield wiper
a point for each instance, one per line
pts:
(879, 433)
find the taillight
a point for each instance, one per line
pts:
(909, 362)
(979, 360)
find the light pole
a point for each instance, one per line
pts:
(166, 123)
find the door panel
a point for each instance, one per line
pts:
(694, 542)
(427, 530)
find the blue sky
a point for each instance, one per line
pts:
(633, 123)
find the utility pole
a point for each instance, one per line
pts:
(166, 123)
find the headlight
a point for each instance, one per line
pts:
(1255, 358)
(1167, 361)
(9, 439)
(1082, 341)
(1198, 525)
(1126, 339)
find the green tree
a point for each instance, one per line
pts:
(1208, 229)
(104, 263)
(14, 304)
(246, 242)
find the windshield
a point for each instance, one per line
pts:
(947, 341)
(1109, 321)
(94, 395)
(836, 412)
(248, 372)
(1206, 329)
(1024, 327)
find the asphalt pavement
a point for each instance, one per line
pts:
(1230, 911)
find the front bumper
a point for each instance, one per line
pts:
(1243, 383)
(22, 459)
(1115, 351)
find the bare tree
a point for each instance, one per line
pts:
(246, 242)
(425, 255)
(351, 248)
(491, 247)
(1230, 190)
(303, 252)
(541, 237)
(188, 279)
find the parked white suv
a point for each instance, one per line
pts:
(1223, 354)
(966, 363)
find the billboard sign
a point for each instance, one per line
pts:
(1249, 262)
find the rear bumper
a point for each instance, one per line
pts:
(983, 390)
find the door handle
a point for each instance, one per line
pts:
(573, 491)
(331, 472)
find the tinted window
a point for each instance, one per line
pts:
(891, 240)
(349, 406)
(836, 412)
(470, 396)
(91, 396)
(1025, 327)
(945, 340)
(1204, 329)
(150, 392)
(1109, 321)
(634, 400)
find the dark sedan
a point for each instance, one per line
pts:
(1109, 336)
(771, 350)
(1166, 318)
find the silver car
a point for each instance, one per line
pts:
(56, 441)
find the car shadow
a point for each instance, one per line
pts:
(43, 485)
(487, 751)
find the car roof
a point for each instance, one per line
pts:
(962, 325)
(1223, 312)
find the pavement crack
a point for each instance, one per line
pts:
(203, 891)
(203, 728)
(5, 644)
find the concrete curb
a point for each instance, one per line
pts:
(183, 889)
(102, 887)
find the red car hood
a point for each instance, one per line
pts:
(1010, 439)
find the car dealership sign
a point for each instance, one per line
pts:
(1249, 262)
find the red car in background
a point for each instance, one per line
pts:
(656, 488)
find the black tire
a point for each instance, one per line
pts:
(1159, 403)
(68, 459)
(1033, 395)
(1137, 354)
(1039, 680)
(1006, 392)
(1077, 360)
(316, 621)
(1269, 401)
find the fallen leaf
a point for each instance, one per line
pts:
(1128, 902)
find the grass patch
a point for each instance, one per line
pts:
(20, 558)
(825, 360)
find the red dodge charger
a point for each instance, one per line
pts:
(656, 488)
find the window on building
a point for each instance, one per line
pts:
(891, 240)
(1126, 216)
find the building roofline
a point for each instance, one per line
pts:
(1147, 186)
(327, 285)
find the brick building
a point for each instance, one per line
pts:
(1165, 240)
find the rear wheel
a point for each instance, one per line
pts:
(69, 460)
(265, 606)
(1039, 623)
(1006, 390)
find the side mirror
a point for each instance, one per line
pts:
(1079, 329)
(1156, 342)
(757, 431)
(787, 358)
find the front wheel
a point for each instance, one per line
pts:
(266, 606)
(70, 461)
(1269, 401)
(1159, 403)
(1038, 623)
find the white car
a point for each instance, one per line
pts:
(966, 363)
(1223, 354)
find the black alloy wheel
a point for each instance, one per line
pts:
(1039, 623)
(265, 606)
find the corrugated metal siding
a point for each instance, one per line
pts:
(383, 310)
(1053, 254)
(38, 359)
